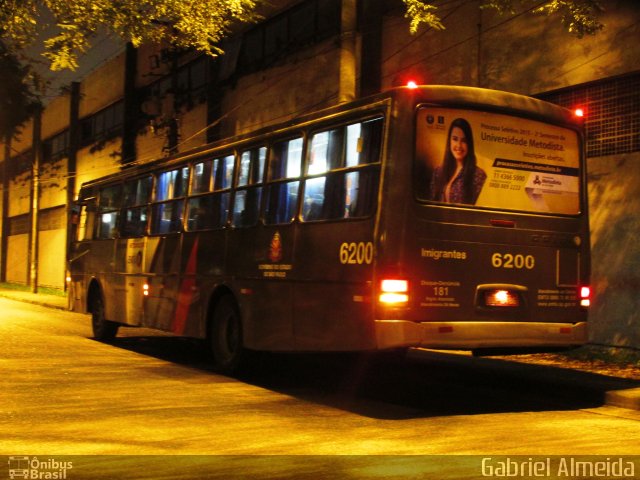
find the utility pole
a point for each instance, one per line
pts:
(35, 200)
(5, 208)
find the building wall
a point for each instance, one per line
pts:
(192, 127)
(525, 54)
(17, 260)
(614, 183)
(20, 194)
(305, 83)
(52, 239)
(103, 86)
(96, 164)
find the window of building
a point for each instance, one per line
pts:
(342, 172)
(52, 219)
(612, 113)
(103, 125)
(56, 147)
(20, 224)
(309, 22)
(192, 83)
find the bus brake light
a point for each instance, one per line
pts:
(585, 296)
(394, 292)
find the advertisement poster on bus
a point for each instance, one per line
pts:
(496, 161)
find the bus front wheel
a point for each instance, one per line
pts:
(103, 329)
(226, 337)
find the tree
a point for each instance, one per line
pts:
(17, 101)
(198, 24)
(579, 17)
(201, 24)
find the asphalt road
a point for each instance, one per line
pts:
(150, 406)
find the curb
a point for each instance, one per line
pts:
(33, 301)
(610, 391)
(629, 399)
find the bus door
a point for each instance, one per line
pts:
(84, 220)
(131, 281)
(103, 261)
(162, 266)
(334, 243)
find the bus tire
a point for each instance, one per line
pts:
(225, 338)
(103, 330)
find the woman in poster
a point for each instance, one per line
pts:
(458, 179)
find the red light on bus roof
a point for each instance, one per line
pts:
(412, 84)
(579, 112)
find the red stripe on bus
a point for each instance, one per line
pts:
(186, 292)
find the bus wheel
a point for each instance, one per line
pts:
(226, 337)
(103, 329)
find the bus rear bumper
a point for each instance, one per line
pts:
(478, 335)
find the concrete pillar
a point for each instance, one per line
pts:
(348, 43)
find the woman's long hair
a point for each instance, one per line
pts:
(449, 162)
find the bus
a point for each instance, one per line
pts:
(440, 217)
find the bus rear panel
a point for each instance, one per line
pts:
(491, 252)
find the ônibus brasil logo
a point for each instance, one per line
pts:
(34, 468)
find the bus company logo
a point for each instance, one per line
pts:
(275, 248)
(435, 122)
(33, 468)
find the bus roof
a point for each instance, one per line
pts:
(444, 95)
(473, 97)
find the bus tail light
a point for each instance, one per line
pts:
(501, 298)
(145, 289)
(394, 292)
(585, 296)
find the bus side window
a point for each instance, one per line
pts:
(86, 220)
(285, 166)
(349, 158)
(108, 211)
(137, 194)
(171, 190)
(246, 205)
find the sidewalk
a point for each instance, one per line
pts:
(624, 393)
(44, 299)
